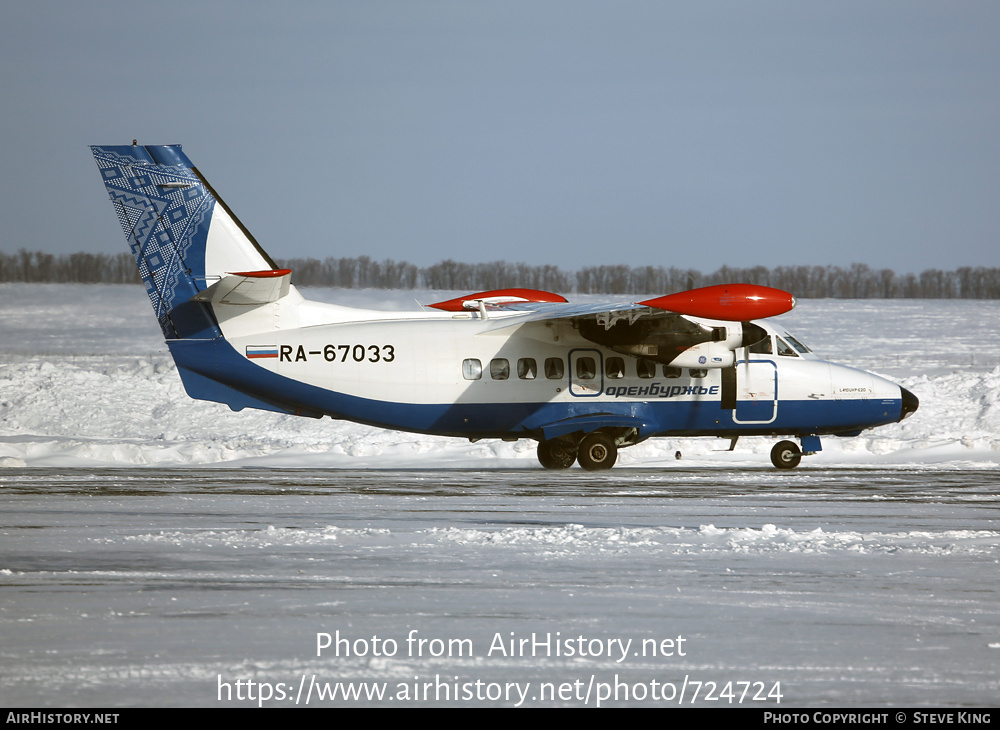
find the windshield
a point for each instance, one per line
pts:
(796, 344)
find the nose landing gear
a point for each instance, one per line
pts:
(786, 455)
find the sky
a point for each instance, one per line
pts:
(568, 133)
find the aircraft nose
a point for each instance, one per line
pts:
(910, 403)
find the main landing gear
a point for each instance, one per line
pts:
(595, 452)
(556, 454)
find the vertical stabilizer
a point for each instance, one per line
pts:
(182, 236)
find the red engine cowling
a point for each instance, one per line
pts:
(729, 302)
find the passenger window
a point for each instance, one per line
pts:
(472, 369)
(645, 369)
(499, 369)
(763, 347)
(554, 368)
(698, 372)
(615, 368)
(527, 368)
(784, 348)
(586, 368)
(671, 372)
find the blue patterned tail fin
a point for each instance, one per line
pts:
(183, 237)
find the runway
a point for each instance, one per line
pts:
(215, 587)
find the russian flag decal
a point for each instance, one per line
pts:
(256, 352)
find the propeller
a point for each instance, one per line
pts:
(752, 334)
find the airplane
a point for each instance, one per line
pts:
(582, 379)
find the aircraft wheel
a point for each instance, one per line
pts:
(597, 452)
(786, 455)
(554, 454)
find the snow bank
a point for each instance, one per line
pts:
(85, 380)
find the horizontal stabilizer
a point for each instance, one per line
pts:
(248, 288)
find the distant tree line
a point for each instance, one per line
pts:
(857, 281)
(81, 268)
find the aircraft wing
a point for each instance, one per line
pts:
(658, 329)
(551, 311)
(726, 302)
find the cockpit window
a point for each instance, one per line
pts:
(784, 348)
(796, 344)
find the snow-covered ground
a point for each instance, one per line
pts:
(86, 380)
(138, 567)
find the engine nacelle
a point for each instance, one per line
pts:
(676, 340)
(706, 355)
